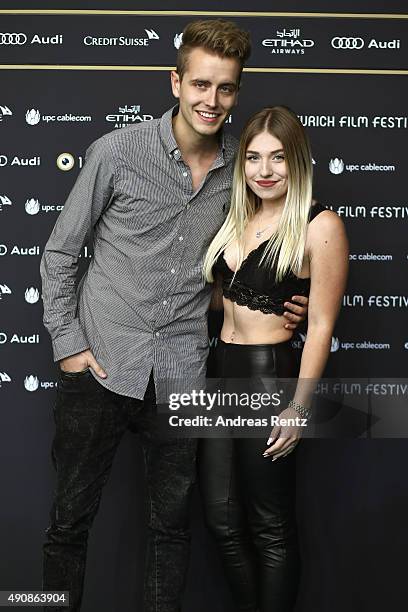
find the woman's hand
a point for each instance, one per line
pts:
(284, 437)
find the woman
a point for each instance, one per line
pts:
(275, 242)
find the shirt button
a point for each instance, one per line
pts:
(157, 333)
(176, 152)
(180, 238)
(172, 270)
(185, 173)
(188, 206)
(164, 302)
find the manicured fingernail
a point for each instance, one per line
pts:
(269, 441)
(275, 458)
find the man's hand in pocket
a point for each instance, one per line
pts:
(80, 362)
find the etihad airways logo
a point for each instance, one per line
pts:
(288, 42)
(121, 41)
(128, 115)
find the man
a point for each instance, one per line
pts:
(154, 196)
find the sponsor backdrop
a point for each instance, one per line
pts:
(67, 77)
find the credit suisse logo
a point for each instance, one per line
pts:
(121, 41)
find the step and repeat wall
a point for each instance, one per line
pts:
(70, 75)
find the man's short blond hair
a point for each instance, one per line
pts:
(223, 38)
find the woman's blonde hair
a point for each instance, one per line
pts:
(286, 246)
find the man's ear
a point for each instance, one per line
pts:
(175, 83)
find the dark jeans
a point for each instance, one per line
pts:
(249, 502)
(90, 421)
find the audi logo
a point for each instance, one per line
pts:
(12, 39)
(341, 42)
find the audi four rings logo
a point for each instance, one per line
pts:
(12, 39)
(342, 42)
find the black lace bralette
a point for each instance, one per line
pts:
(255, 286)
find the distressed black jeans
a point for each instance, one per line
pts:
(90, 421)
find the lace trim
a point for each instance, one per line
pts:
(245, 296)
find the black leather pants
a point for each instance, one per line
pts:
(249, 501)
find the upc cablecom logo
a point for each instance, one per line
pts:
(178, 40)
(32, 206)
(335, 343)
(31, 295)
(33, 383)
(33, 116)
(336, 166)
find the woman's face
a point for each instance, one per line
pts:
(265, 167)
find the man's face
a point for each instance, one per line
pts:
(207, 91)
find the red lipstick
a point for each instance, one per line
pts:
(266, 183)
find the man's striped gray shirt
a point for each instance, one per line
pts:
(142, 303)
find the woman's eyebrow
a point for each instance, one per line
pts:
(271, 152)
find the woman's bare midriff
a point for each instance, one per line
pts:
(245, 326)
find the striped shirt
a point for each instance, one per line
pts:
(142, 303)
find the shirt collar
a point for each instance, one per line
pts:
(167, 134)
